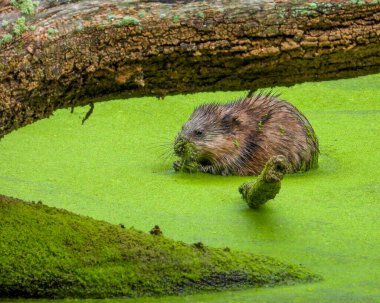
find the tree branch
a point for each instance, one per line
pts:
(67, 53)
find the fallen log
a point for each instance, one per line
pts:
(58, 54)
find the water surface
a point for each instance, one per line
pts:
(117, 168)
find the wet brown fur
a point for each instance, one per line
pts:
(238, 138)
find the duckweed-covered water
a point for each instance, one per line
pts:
(118, 167)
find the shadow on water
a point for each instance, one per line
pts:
(265, 224)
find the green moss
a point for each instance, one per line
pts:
(20, 26)
(281, 12)
(312, 139)
(260, 125)
(100, 26)
(52, 31)
(313, 5)
(6, 39)
(128, 20)
(52, 253)
(79, 27)
(186, 166)
(188, 162)
(360, 2)
(236, 143)
(200, 15)
(141, 13)
(4, 23)
(175, 18)
(309, 9)
(27, 7)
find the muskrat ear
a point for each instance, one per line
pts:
(231, 120)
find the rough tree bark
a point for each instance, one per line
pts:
(64, 53)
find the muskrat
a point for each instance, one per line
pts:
(239, 137)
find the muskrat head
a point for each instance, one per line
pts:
(208, 137)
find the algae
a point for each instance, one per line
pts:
(52, 31)
(188, 162)
(176, 18)
(27, 7)
(6, 39)
(236, 143)
(51, 253)
(4, 23)
(20, 26)
(260, 125)
(201, 15)
(141, 13)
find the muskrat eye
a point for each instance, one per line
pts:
(198, 132)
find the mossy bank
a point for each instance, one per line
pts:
(52, 253)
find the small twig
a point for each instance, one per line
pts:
(88, 114)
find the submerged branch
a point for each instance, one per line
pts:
(268, 183)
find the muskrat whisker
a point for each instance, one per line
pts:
(163, 146)
(169, 141)
(166, 155)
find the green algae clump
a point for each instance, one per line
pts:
(27, 7)
(20, 26)
(268, 183)
(6, 39)
(52, 253)
(188, 162)
(129, 20)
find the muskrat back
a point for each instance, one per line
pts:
(239, 137)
